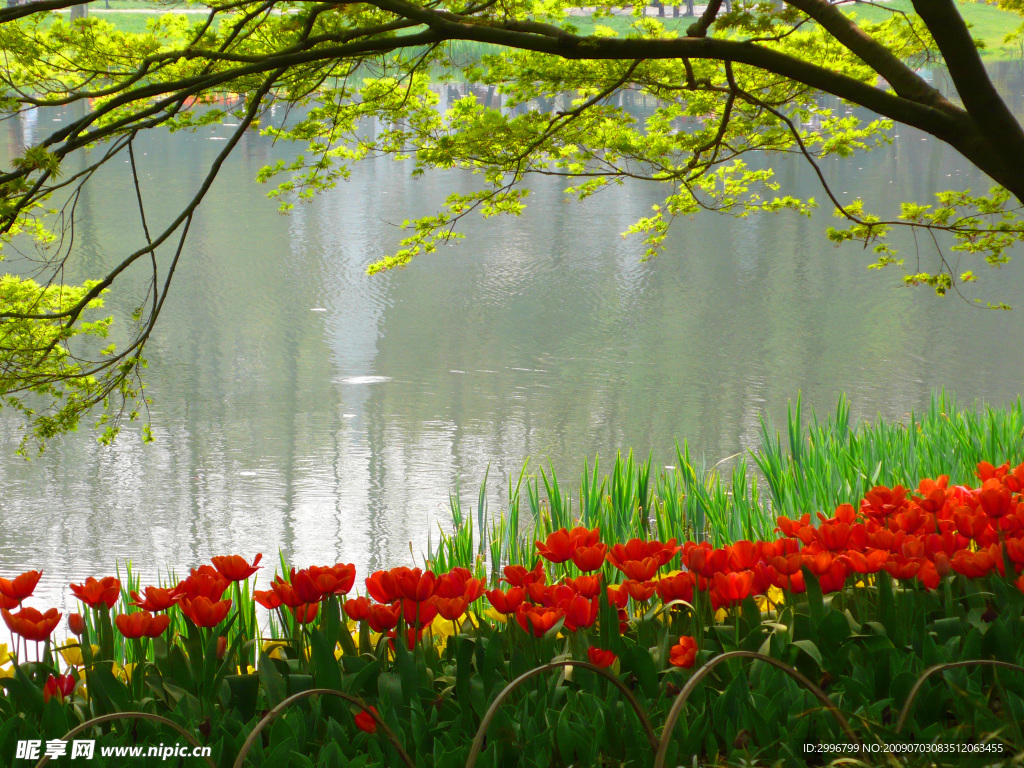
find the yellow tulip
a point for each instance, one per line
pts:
(492, 614)
(72, 653)
(4, 655)
(273, 648)
(7, 672)
(125, 672)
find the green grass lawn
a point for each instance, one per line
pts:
(989, 24)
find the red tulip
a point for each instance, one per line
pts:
(202, 582)
(791, 582)
(589, 559)
(416, 585)
(96, 592)
(928, 575)
(157, 599)
(505, 602)
(305, 586)
(973, 565)
(618, 595)
(732, 588)
(641, 591)
(141, 624)
(419, 614)
(743, 555)
(304, 614)
(366, 722)
(970, 524)
(585, 537)
(537, 619)
(587, 586)
(580, 612)
(777, 548)
(707, 561)
(357, 608)
(600, 657)
(382, 586)
(996, 499)
(31, 624)
(678, 587)
(518, 576)
(267, 598)
(684, 653)
(788, 564)
(236, 568)
(640, 570)
(538, 593)
(1015, 551)
(285, 593)
(474, 590)
(451, 608)
(383, 617)
(453, 583)
(789, 528)
(834, 579)
(19, 588)
(817, 562)
(76, 624)
(333, 580)
(638, 549)
(870, 562)
(61, 686)
(558, 547)
(204, 612)
(833, 536)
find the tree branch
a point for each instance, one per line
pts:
(980, 97)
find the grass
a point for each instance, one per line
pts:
(988, 24)
(815, 466)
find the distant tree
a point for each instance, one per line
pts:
(740, 81)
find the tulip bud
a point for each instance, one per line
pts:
(76, 624)
(222, 646)
(942, 564)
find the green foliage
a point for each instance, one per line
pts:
(822, 463)
(878, 666)
(714, 103)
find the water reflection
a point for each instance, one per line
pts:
(337, 434)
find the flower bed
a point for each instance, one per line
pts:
(895, 625)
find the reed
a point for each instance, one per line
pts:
(818, 464)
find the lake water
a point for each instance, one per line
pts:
(301, 405)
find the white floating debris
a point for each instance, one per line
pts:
(453, 371)
(365, 379)
(218, 138)
(247, 473)
(348, 415)
(318, 309)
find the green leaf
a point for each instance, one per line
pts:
(245, 691)
(810, 649)
(274, 685)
